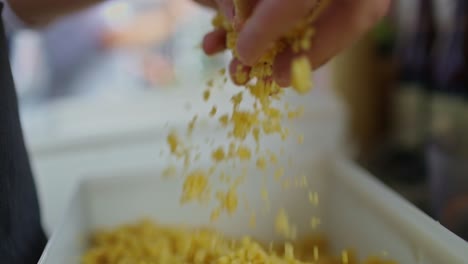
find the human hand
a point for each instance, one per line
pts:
(339, 26)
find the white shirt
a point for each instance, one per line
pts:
(10, 20)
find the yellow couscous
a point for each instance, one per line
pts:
(148, 243)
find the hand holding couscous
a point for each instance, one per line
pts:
(341, 24)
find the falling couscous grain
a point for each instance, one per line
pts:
(213, 111)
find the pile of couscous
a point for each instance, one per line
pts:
(148, 243)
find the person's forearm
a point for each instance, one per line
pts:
(40, 12)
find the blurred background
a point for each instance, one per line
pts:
(99, 88)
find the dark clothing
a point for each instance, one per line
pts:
(21, 236)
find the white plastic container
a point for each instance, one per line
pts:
(356, 212)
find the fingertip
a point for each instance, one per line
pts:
(214, 42)
(206, 46)
(240, 73)
(269, 22)
(282, 68)
(247, 47)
